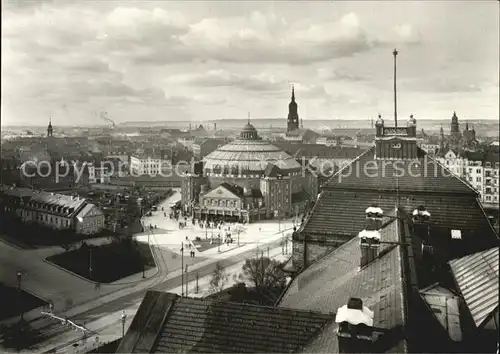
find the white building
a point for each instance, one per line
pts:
(56, 211)
(480, 170)
(328, 141)
(147, 165)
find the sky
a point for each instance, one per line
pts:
(197, 61)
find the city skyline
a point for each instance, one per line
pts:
(195, 61)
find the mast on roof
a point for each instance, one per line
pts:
(395, 53)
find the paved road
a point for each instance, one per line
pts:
(52, 328)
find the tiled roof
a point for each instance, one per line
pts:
(477, 277)
(167, 323)
(57, 204)
(328, 284)
(342, 212)
(422, 175)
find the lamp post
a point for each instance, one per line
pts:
(182, 269)
(19, 278)
(90, 263)
(187, 280)
(218, 243)
(197, 277)
(124, 320)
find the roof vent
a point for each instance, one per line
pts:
(355, 313)
(456, 234)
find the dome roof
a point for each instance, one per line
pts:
(250, 155)
(249, 127)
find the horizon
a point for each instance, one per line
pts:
(169, 61)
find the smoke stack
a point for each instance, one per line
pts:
(355, 331)
(215, 127)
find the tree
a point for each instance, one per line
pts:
(219, 279)
(266, 274)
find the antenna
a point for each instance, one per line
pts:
(395, 53)
(248, 117)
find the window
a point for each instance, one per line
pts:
(478, 170)
(478, 179)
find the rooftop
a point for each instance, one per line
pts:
(330, 282)
(167, 323)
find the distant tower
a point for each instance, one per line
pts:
(455, 136)
(215, 127)
(49, 128)
(293, 115)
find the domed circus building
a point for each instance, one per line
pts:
(246, 180)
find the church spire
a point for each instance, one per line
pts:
(49, 127)
(293, 93)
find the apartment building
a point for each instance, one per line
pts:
(479, 169)
(149, 165)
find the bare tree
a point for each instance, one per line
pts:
(219, 279)
(264, 273)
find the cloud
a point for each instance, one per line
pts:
(223, 78)
(441, 85)
(341, 74)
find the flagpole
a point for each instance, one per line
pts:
(395, 53)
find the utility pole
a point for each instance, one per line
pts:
(197, 277)
(182, 269)
(395, 53)
(187, 280)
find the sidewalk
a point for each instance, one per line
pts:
(109, 327)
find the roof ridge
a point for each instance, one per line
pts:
(244, 304)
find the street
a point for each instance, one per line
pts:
(103, 307)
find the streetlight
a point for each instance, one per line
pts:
(90, 262)
(218, 246)
(182, 269)
(124, 320)
(19, 278)
(187, 280)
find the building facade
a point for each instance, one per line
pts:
(479, 169)
(56, 211)
(266, 181)
(149, 165)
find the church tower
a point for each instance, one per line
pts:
(455, 135)
(293, 115)
(49, 128)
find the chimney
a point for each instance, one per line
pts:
(422, 228)
(370, 236)
(355, 327)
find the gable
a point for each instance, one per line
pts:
(221, 192)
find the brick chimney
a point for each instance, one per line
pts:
(355, 327)
(370, 236)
